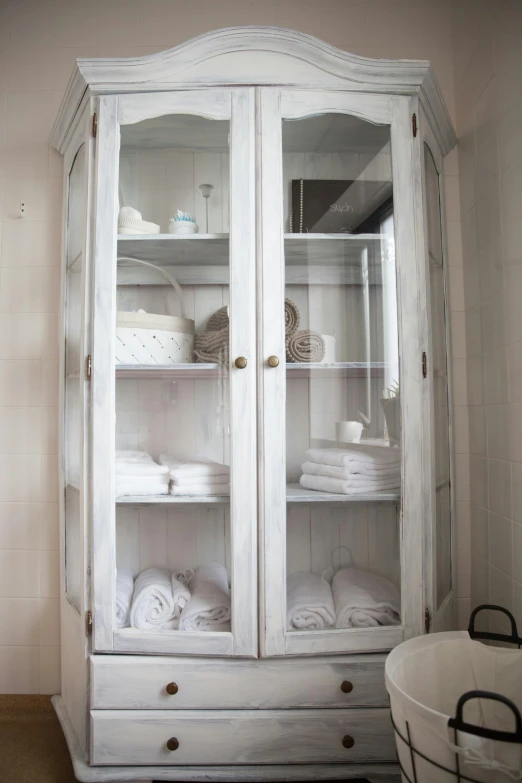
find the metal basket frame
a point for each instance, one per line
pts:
(458, 723)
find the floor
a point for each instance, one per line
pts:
(32, 746)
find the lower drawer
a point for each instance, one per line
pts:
(241, 737)
(140, 683)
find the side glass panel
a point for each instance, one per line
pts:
(73, 382)
(343, 402)
(440, 382)
(173, 440)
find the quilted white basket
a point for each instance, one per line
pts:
(147, 338)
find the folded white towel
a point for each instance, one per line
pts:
(348, 486)
(153, 605)
(180, 593)
(181, 468)
(309, 602)
(124, 590)
(355, 453)
(135, 456)
(353, 469)
(197, 490)
(363, 599)
(138, 468)
(198, 481)
(141, 485)
(208, 608)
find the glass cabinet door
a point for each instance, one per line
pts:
(333, 390)
(175, 427)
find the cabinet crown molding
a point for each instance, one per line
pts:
(268, 56)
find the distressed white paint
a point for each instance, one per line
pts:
(240, 736)
(131, 682)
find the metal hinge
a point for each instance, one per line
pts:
(427, 620)
(88, 367)
(88, 623)
(424, 365)
(413, 124)
(94, 124)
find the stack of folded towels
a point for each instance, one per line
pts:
(163, 601)
(137, 474)
(356, 599)
(352, 469)
(196, 476)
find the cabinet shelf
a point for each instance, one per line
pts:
(178, 500)
(213, 370)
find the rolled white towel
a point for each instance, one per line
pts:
(208, 608)
(180, 593)
(141, 485)
(124, 590)
(363, 599)
(351, 486)
(197, 490)
(309, 602)
(356, 453)
(354, 469)
(145, 468)
(200, 467)
(153, 605)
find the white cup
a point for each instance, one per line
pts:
(348, 431)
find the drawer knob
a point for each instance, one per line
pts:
(172, 688)
(348, 742)
(240, 362)
(346, 686)
(273, 361)
(172, 743)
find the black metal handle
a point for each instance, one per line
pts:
(496, 637)
(459, 724)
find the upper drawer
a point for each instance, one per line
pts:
(240, 737)
(131, 682)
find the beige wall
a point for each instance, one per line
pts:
(38, 44)
(488, 64)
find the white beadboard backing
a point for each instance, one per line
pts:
(139, 683)
(240, 736)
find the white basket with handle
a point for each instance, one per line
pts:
(147, 338)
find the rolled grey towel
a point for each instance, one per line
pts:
(292, 317)
(212, 346)
(218, 321)
(305, 346)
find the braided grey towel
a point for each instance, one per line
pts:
(218, 321)
(212, 345)
(304, 346)
(292, 317)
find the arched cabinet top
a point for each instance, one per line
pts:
(255, 56)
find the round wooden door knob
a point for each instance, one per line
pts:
(172, 743)
(240, 362)
(348, 742)
(172, 688)
(273, 361)
(346, 686)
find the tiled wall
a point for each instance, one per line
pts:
(39, 40)
(489, 110)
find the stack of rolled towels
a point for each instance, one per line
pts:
(355, 599)
(137, 474)
(353, 469)
(196, 476)
(160, 600)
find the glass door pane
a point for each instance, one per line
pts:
(443, 521)
(73, 433)
(181, 519)
(343, 403)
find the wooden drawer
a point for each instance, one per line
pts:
(140, 683)
(240, 736)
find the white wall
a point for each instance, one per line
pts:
(487, 68)
(39, 41)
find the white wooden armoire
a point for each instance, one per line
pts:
(266, 116)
